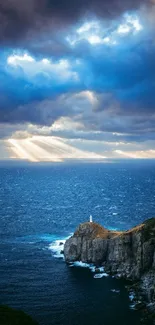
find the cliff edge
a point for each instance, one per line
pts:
(129, 254)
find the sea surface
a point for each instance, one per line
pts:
(40, 206)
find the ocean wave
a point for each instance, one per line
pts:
(132, 297)
(79, 264)
(32, 239)
(115, 291)
(99, 271)
(113, 207)
(132, 306)
(100, 275)
(98, 206)
(57, 247)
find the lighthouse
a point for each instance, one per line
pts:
(91, 218)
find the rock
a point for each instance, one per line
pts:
(60, 244)
(97, 270)
(139, 306)
(9, 316)
(88, 244)
(129, 254)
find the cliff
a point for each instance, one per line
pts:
(129, 254)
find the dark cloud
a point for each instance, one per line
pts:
(39, 99)
(20, 18)
(100, 136)
(122, 77)
(44, 112)
(6, 130)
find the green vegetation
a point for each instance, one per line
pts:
(9, 316)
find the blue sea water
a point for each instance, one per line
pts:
(41, 206)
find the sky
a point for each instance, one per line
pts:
(77, 79)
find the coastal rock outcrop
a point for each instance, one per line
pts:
(88, 244)
(129, 254)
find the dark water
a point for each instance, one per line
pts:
(42, 204)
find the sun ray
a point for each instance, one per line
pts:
(20, 151)
(40, 148)
(41, 153)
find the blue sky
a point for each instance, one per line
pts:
(77, 80)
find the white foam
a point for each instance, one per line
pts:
(96, 269)
(57, 247)
(132, 296)
(133, 306)
(113, 207)
(79, 264)
(114, 290)
(97, 206)
(100, 275)
(100, 270)
(92, 268)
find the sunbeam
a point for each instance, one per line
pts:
(21, 153)
(53, 149)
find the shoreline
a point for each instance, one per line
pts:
(128, 255)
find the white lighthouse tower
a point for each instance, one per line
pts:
(91, 218)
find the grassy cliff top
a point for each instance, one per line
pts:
(93, 230)
(147, 227)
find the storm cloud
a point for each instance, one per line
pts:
(78, 70)
(19, 18)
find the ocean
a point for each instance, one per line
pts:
(40, 206)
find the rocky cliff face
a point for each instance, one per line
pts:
(129, 254)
